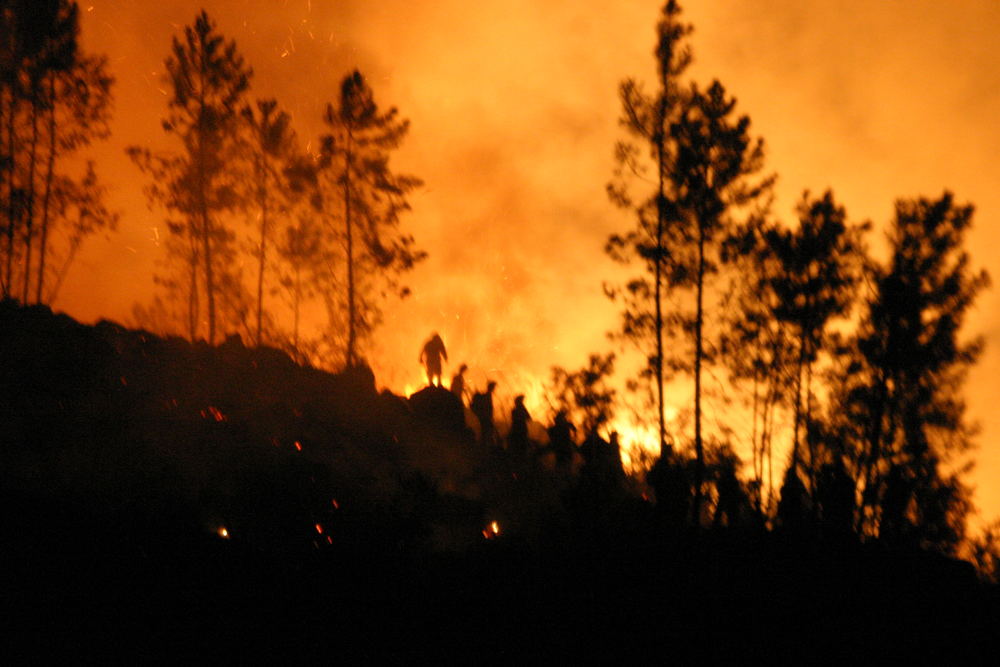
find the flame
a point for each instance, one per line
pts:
(492, 530)
(223, 532)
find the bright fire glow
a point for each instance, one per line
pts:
(506, 284)
(223, 532)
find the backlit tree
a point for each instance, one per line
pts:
(361, 201)
(207, 79)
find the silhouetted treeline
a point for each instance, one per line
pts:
(54, 100)
(861, 361)
(320, 227)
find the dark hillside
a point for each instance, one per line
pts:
(167, 494)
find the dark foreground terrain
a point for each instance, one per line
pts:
(164, 499)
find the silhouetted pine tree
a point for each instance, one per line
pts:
(756, 347)
(648, 121)
(270, 147)
(906, 382)
(208, 80)
(361, 202)
(706, 162)
(820, 266)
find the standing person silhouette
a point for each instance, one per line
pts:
(458, 383)
(482, 407)
(517, 439)
(431, 356)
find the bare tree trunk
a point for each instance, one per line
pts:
(193, 283)
(263, 250)
(351, 313)
(798, 397)
(660, 203)
(875, 434)
(206, 232)
(209, 278)
(699, 470)
(49, 172)
(810, 445)
(758, 459)
(31, 196)
(8, 284)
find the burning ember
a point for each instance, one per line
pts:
(212, 412)
(223, 533)
(492, 531)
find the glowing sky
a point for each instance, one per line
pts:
(514, 114)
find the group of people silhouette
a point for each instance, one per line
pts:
(595, 451)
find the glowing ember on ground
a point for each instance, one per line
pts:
(298, 446)
(212, 412)
(223, 533)
(492, 531)
(319, 529)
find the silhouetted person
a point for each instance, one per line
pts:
(614, 455)
(431, 357)
(482, 407)
(603, 459)
(670, 478)
(561, 439)
(517, 440)
(793, 506)
(458, 383)
(731, 497)
(898, 492)
(835, 495)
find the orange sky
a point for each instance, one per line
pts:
(514, 114)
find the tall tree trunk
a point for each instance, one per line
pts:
(263, 250)
(209, 278)
(49, 173)
(30, 218)
(351, 315)
(699, 450)
(193, 260)
(798, 397)
(206, 232)
(757, 451)
(810, 445)
(875, 435)
(11, 204)
(660, 214)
